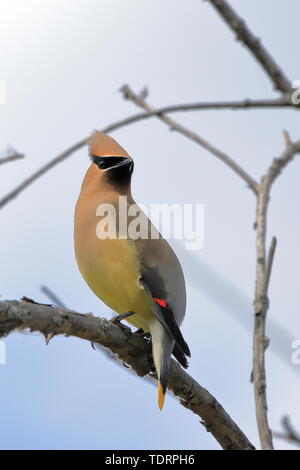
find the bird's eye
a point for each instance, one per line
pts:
(101, 165)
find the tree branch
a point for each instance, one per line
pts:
(254, 44)
(40, 172)
(263, 272)
(174, 125)
(289, 433)
(270, 260)
(130, 349)
(11, 157)
(54, 299)
(244, 104)
(247, 103)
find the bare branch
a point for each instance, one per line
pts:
(263, 272)
(287, 137)
(254, 44)
(174, 125)
(278, 164)
(130, 349)
(270, 262)
(11, 155)
(52, 297)
(40, 172)
(289, 434)
(260, 342)
(245, 104)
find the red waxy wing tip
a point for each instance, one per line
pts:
(160, 302)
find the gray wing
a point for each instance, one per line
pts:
(162, 276)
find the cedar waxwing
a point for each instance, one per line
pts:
(140, 276)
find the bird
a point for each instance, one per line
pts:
(139, 277)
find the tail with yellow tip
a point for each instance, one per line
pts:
(161, 396)
(162, 347)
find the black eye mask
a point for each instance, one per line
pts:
(119, 169)
(103, 163)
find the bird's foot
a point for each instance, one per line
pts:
(119, 318)
(141, 332)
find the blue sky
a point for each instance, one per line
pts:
(63, 64)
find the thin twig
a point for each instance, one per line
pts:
(174, 125)
(289, 433)
(278, 164)
(11, 157)
(132, 350)
(40, 172)
(244, 104)
(52, 297)
(270, 260)
(263, 272)
(254, 44)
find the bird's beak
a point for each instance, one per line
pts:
(126, 162)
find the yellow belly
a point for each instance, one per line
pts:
(113, 275)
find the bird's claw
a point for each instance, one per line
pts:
(139, 332)
(119, 318)
(142, 333)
